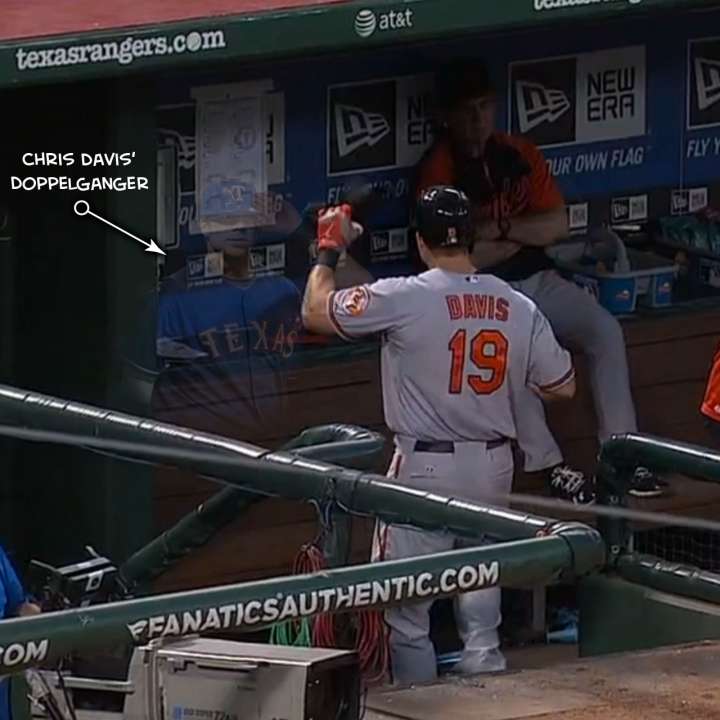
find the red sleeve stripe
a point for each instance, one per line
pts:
(334, 321)
(564, 380)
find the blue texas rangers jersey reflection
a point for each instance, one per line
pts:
(223, 349)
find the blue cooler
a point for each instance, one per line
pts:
(635, 278)
(618, 295)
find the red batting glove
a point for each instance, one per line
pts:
(335, 228)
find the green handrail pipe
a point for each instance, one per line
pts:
(26, 642)
(625, 452)
(355, 446)
(619, 457)
(255, 469)
(671, 578)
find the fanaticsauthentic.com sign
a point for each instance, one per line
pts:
(25, 642)
(340, 26)
(396, 590)
(258, 605)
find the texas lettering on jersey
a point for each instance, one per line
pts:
(224, 350)
(229, 339)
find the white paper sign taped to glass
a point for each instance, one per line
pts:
(378, 125)
(231, 157)
(177, 125)
(579, 99)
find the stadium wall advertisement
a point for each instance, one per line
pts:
(631, 129)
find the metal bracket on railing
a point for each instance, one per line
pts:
(612, 483)
(586, 546)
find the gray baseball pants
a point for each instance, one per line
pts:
(580, 323)
(472, 472)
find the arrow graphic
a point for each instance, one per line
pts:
(82, 207)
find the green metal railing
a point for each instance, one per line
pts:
(534, 549)
(540, 551)
(252, 606)
(624, 452)
(252, 468)
(669, 577)
(618, 459)
(353, 446)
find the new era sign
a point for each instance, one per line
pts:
(355, 129)
(538, 104)
(704, 83)
(579, 99)
(542, 102)
(378, 125)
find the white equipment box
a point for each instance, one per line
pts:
(207, 679)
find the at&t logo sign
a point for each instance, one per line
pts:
(367, 22)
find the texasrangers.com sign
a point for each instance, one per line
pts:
(378, 125)
(579, 98)
(703, 83)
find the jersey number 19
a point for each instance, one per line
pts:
(488, 353)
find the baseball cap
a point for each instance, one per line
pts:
(462, 80)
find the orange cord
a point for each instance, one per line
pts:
(371, 637)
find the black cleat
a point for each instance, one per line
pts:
(644, 484)
(572, 485)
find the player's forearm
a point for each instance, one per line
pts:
(539, 229)
(320, 285)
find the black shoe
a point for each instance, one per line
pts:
(644, 484)
(572, 485)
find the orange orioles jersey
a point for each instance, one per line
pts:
(711, 402)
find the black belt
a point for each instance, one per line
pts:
(447, 446)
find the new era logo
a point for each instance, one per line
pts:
(185, 145)
(389, 243)
(703, 83)
(537, 104)
(356, 128)
(362, 126)
(679, 202)
(620, 210)
(542, 100)
(707, 81)
(578, 216)
(629, 209)
(379, 125)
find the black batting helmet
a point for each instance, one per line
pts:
(443, 217)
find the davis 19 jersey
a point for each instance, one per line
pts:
(456, 349)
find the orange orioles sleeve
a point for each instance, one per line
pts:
(438, 168)
(711, 402)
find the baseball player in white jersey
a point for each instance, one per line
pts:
(458, 349)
